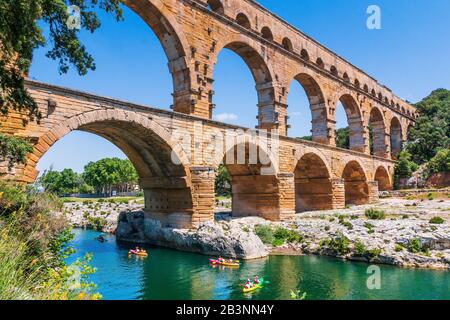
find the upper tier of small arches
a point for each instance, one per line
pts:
(278, 33)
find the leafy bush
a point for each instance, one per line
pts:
(375, 214)
(439, 163)
(437, 220)
(414, 245)
(399, 247)
(33, 248)
(360, 248)
(265, 233)
(339, 244)
(404, 167)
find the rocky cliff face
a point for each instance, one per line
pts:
(226, 238)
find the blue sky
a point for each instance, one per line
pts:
(410, 54)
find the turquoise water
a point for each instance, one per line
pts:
(169, 274)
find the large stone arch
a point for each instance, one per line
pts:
(355, 122)
(355, 183)
(254, 180)
(262, 73)
(317, 105)
(313, 187)
(378, 126)
(383, 179)
(173, 40)
(396, 135)
(162, 165)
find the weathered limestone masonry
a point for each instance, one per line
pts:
(178, 183)
(305, 175)
(193, 32)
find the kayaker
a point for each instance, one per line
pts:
(248, 284)
(256, 280)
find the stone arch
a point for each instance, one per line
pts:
(366, 88)
(287, 44)
(317, 105)
(254, 181)
(313, 188)
(376, 123)
(216, 6)
(174, 43)
(355, 122)
(267, 33)
(334, 71)
(320, 63)
(305, 56)
(383, 179)
(162, 165)
(260, 70)
(346, 77)
(355, 183)
(243, 20)
(396, 137)
(357, 83)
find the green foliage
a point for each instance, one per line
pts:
(223, 182)
(278, 236)
(432, 129)
(360, 248)
(339, 244)
(265, 233)
(414, 245)
(439, 163)
(375, 214)
(14, 149)
(437, 220)
(404, 166)
(33, 246)
(21, 31)
(96, 223)
(297, 295)
(399, 247)
(343, 138)
(60, 183)
(106, 174)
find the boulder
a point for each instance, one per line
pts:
(225, 238)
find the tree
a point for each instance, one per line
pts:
(21, 32)
(404, 167)
(14, 149)
(223, 181)
(432, 129)
(343, 138)
(110, 173)
(439, 163)
(60, 183)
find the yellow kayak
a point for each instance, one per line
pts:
(255, 287)
(139, 254)
(224, 263)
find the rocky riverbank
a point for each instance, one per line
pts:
(408, 235)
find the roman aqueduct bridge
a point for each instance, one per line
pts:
(177, 153)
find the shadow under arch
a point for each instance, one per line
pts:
(154, 14)
(355, 122)
(383, 179)
(313, 188)
(166, 183)
(355, 184)
(254, 181)
(262, 75)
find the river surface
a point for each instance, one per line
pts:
(170, 274)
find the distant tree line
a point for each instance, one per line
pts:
(101, 177)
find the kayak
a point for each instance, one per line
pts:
(255, 287)
(140, 254)
(224, 263)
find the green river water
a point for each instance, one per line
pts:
(170, 274)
